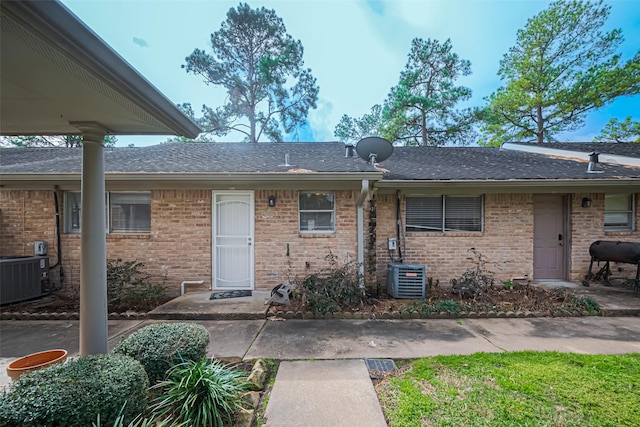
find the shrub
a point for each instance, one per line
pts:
(76, 392)
(329, 290)
(202, 393)
(474, 282)
(162, 345)
(129, 287)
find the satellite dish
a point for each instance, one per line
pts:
(374, 149)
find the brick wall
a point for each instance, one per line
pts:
(179, 245)
(275, 228)
(587, 226)
(506, 243)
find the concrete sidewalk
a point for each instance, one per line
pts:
(346, 342)
(323, 393)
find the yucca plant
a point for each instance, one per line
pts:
(203, 393)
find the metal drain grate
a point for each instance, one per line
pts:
(380, 365)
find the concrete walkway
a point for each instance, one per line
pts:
(323, 393)
(318, 389)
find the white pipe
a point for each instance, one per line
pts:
(363, 195)
(189, 282)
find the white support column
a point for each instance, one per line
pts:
(93, 267)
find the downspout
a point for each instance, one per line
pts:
(360, 204)
(399, 227)
(58, 245)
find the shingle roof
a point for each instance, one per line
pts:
(479, 163)
(406, 163)
(184, 157)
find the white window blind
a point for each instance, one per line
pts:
(130, 212)
(125, 212)
(316, 212)
(444, 213)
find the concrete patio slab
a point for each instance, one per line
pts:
(613, 300)
(331, 339)
(21, 337)
(323, 393)
(592, 335)
(198, 306)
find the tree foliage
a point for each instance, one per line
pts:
(616, 131)
(354, 129)
(269, 92)
(562, 66)
(421, 109)
(51, 141)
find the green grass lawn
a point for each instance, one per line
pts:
(515, 389)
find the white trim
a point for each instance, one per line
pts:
(252, 209)
(570, 154)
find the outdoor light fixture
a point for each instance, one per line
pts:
(272, 201)
(586, 202)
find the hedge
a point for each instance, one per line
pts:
(160, 346)
(74, 393)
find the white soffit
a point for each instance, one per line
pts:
(55, 70)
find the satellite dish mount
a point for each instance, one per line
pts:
(374, 149)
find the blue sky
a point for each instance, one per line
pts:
(356, 49)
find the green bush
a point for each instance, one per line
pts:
(334, 288)
(201, 393)
(160, 346)
(76, 392)
(130, 288)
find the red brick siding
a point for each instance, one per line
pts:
(587, 226)
(179, 245)
(277, 227)
(506, 242)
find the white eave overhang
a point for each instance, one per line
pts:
(327, 180)
(573, 155)
(55, 71)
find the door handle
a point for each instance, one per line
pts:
(248, 241)
(560, 240)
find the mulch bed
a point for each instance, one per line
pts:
(519, 300)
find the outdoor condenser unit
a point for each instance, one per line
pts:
(22, 277)
(406, 281)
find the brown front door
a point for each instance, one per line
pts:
(549, 237)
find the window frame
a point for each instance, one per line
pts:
(630, 212)
(68, 210)
(110, 220)
(331, 211)
(444, 218)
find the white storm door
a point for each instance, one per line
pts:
(233, 240)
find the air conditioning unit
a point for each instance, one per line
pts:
(406, 281)
(22, 277)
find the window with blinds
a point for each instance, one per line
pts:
(126, 212)
(316, 212)
(619, 212)
(130, 212)
(444, 214)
